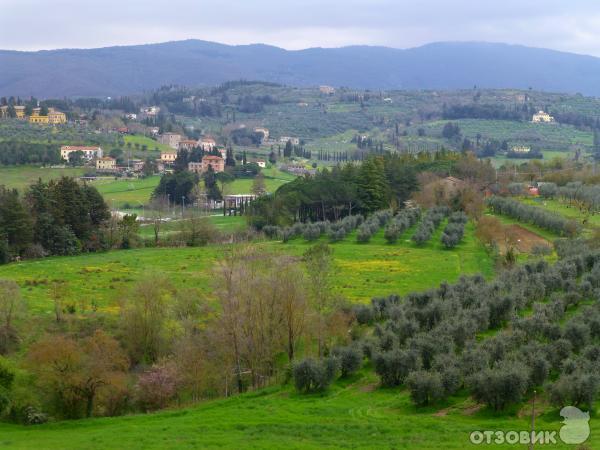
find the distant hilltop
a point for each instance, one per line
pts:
(125, 70)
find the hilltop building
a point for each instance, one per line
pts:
(106, 164)
(327, 90)
(286, 139)
(207, 143)
(89, 153)
(53, 118)
(542, 117)
(264, 132)
(170, 139)
(168, 157)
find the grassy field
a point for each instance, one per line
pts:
(221, 223)
(274, 178)
(355, 413)
(151, 144)
(21, 177)
(499, 161)
(363, 270)
(120, 192)
(564, 209)
(549, 136)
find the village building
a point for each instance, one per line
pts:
(131, 116)
(170, 139)
(195, 167)
(328, 90)
(137, 165)
(56, 117)
(168, 157)
(36, 118)
(542, 117)
(187, 144)
(521, 149)
(150, 110)
(206, 143)
(19, 112)
(89, 153)
(154, 130)
(264, 132)
(286, 139)
(216, 162)
(261, 163)
(106, 163)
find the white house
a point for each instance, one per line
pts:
(89, 153)
(293, 140)
(542, 117)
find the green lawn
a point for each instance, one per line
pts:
(355, 413)
(21, 177)
(222, 223)
(274, 178)
(151, 144)
(364, 270)
(122, 191)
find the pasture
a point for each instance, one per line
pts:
(354, 413)
(363, 270)
(21, 177)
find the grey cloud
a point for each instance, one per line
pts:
(35, 24)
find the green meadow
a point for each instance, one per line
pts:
(363, 270)
(354, 413)
(21, 177)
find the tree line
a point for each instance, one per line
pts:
(60, 217)
(379, 183)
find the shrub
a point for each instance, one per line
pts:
(579, 388)
(394, 366)
(157, 387)
(311, 375)
(272, 232)
(350, 360)
(425, 387)
(312, 232)
(392, 233)
(501, 386)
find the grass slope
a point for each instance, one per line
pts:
(21, 177)
(353, 414)
(364, 270)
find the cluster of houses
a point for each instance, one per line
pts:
(53, 117)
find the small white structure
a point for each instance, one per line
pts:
(131, 116)
(265, 133)
(150, 110)
(542, 117)
(521, 149)
(262, 164)
(286, 139)
(327, 90)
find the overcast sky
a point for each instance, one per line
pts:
(570, 25)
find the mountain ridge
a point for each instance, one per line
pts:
(130, 69)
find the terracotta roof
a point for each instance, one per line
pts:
(78, 148)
